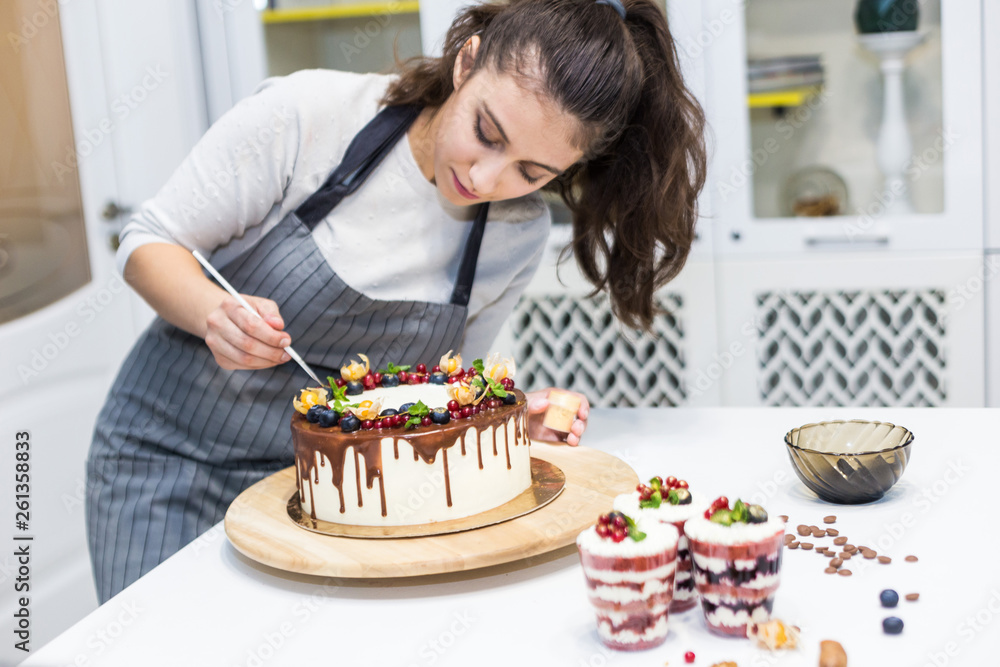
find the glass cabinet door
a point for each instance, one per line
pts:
(43, 244)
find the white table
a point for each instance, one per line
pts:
(208, 605)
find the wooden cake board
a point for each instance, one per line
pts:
(258, 525)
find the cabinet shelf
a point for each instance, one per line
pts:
(339, 11)
(793, 97)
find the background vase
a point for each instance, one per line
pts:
(873, 16)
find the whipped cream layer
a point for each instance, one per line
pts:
(703, 530)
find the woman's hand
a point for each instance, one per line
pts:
(538, 403)
(242, 341)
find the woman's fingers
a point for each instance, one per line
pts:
(231, 357)
(241, 340)
(254, 326)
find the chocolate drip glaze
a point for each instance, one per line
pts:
(332, 444)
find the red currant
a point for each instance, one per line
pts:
(436, 369)
(722, 502)
(467, 411)
(671, 482)
(426, 421)
(618, 536)
(453, 405)
(619, 522)
(368, 381)
(456, 414)
(708, 514)
(403, 376)
(424, 379)
(640, 488)
(421, 368)
(471, 372)
(367, 424)
(341, 382)
(603, 530)
(476, 409)
(689, 657)
(507, 383)
(604, 520)
(681, 484)
(378, 378)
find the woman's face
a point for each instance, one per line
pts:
(496, 139)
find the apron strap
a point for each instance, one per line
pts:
(363, 155)
(467, 269)
(368, 148)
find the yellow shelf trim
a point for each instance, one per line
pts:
(793, 97)
(342, 11)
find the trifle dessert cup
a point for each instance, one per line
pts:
(629, 569)
(669, 501)
(736, 554)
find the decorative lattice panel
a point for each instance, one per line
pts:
(852, 348)
(575, 343)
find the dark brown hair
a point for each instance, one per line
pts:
(634, 196)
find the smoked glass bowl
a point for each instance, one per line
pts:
(849, 462)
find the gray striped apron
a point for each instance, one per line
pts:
(179, 437)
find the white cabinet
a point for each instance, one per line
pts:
(851, 309)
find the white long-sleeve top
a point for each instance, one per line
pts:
(395, 238)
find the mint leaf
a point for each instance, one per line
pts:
(478, 365)
(672, 497)
(392, 369)
(633, 532)
(496, 387)
(418, 410)
(654, 501)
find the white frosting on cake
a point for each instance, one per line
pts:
(628, 503)
(433, 395)
(703, 530)
(660, 537)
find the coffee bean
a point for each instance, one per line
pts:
(844, 573)
(793, 545)
(806, 545)
(868, 554)
(789, 538)
(830, 519)
(832, 532)
(784, 517)
(846, 555)
(831, 570)
(836, 562)
(885, 560)
(830, 554)
(803, 530)
(911, 559)
(840, 540)
(913, 597)
(850, 547)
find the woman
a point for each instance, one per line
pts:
(429, 247)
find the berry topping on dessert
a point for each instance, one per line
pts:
(349, 423)
(354, 370)
(719, 512)
(658, 490)
(616, 526)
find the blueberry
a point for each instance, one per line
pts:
(388, 412)
(892, 625)
(684, 498)
(440, 416)
(889, 598)
(757, 514)
(328, 418)
(354, 388)
(438, 378)
(313, 415)
(405, 407)
(390, 380)
(510, 398)
(350, 423)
